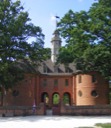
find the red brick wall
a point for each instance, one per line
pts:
(22, 110)
(87, 86)
(32, 88)
(61, 88)
(25, 96)
(86, 110)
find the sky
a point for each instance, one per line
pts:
(42, 13)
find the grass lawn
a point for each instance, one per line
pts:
(100, 125)
(106, 125)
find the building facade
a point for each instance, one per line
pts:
(55, 84)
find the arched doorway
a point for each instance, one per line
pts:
(55, 103)
(45, 98)
(55, 99)
(66, 98)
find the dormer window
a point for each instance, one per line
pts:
(45, 68)
(68, 70)
(56, 68)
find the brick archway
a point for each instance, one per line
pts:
(67, 98)
(55, 98)
(55, 103)
(45, 98)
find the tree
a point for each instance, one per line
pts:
(15, 31)
(88, 37)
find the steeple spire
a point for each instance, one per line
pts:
(56, 44)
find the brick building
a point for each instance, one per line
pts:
(54, 84)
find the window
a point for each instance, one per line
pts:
(55, 68)
(66, 82)
(94, 93)
(55, 82)
(44, 82)
(79, 93)
(68, 70)
(44, 68)
(79, 79)
(15, 93)
(93, 78)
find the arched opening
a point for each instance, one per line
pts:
(66, 98)
(45, 98)
(55, 99)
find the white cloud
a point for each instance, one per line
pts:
(53, 20)
(80, 0)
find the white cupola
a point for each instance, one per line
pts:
(56, 44)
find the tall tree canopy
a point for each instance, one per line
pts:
(88, 38)
(15, 31)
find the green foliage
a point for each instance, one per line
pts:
(47, 53)
(10, 74)
(66, 100)
(88, 38)
(64, 56)
(15, 31)
(55, 99)
(106, 125)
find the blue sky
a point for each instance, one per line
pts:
(42, 12)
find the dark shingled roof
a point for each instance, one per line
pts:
(50, 68)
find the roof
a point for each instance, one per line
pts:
(50, 68)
